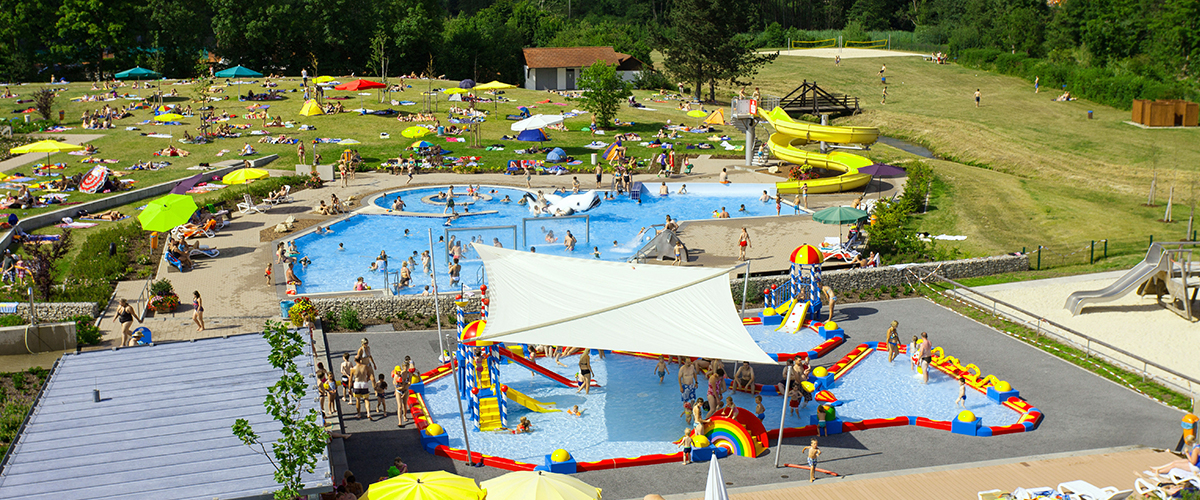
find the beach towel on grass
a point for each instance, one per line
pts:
(77, 225)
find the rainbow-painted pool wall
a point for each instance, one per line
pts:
(437, 442)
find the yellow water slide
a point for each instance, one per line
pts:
(790, 135)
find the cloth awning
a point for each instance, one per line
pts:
(546, 299)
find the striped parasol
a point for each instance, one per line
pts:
(807, 255)
(610, 153)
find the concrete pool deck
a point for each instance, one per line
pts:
(1083, 412)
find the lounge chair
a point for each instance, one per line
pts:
(247, 206)
(203, 251)
(1088, 491)
(1032, 493)
(1180, 476)
(173, 261)
(186, 231)
(1164, 489)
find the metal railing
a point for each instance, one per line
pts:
(1091, 346)
(144, 297)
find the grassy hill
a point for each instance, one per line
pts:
(1022, 170)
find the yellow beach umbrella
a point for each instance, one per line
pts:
(168, 117)
(455, 90)
(415, 132)
(495, 85)
(324, 79)
(539, 485)
(436, 485)
(697, 113)
(47, 146)
(243, 175)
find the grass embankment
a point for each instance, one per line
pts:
(1022, 170)
(17, 393)
(132, 146)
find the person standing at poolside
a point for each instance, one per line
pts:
(364, 355)
(977, 96)
(585, 371)
(125, 314)
(528, 178)
(361, 378)
(893, 341)
(778, 205)
(884, 101)
(743, 243)
(679, 254)
(599, 174)
(831, 298)
(402, 381)
(197, 310)
(300, 152)
(925, 354)
(345, 369)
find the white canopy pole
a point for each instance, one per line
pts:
(787, 388)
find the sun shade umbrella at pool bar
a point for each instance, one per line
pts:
(244, 175)
(539, 485)
(436, 485)
(165, 213)
(47, 146)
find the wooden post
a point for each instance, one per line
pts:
(1170, 199)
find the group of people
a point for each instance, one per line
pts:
(359, 378)
(103, 118)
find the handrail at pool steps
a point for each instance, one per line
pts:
(1189, 388)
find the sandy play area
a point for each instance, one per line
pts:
(1135, 324)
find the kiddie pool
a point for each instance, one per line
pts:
(614, 229)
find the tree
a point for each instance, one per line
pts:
(702, 44)
(603, 91)
(43, 100)
(90, 28)
(45, 259)
(302, 437)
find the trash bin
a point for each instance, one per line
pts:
(1089, 114)
(593, 158)
(284, 306)
(26, 117)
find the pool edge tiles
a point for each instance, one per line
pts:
(1029, 418)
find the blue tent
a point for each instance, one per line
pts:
(556, 156)
(532, 135)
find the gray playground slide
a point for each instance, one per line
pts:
(1147, 268)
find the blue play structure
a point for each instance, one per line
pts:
(803, 287)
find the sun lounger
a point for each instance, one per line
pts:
(1088, 491)
(1032, 493)
(247, 206)
(1180, 476)
(205, 252)
(173, 261)
(1147, 489)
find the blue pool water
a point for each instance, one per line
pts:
(782, 342)
(618, 221)
(632, 414)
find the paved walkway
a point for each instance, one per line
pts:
(1113, 467)
(27, 158)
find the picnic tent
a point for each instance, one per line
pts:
(532, 135)
(614, 305)
(311, 108)
(611, 152)
(557, 155)
(716, 118)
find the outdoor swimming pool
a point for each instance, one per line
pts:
(614, 229)
(633, 415)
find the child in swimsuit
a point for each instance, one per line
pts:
(686, 443)
(380, 393)
(812, 452)
(962, 393)
(759, 410)
(575, 411)
(794, 400)
(661, 368)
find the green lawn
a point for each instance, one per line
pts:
(131, 146)
(1024, 171)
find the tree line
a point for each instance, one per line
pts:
(709, 40)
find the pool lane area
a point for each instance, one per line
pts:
(612, 231)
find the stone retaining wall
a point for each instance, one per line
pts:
(55, 311)
(388, 307)
(846, 279)
(875, 277)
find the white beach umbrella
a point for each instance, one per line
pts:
(537, 121)
(715, 489)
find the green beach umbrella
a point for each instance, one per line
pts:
(165, 213)
(238, 72)
(137, 72)
(839, 215)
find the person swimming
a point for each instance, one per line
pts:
(742, 208)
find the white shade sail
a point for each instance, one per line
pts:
(545, 299)
(536, 122)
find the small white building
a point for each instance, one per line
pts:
(557, 68)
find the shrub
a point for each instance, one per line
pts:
(11, 320)
(43, 101)
(349, 319)
(649, 79)
(86, 331)
(329, 321)
(162, 287)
